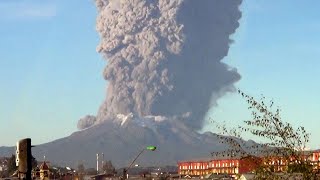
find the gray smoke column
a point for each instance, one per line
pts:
(165, 56)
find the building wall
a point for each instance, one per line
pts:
(249, 164)
(228, 166)
(316, 156)
(238, 165)
(193, 168)
(219, 166)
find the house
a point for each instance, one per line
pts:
(213, 176)
(3, 163)
(42, 171)
(104, 176)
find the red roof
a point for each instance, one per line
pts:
(44, 166)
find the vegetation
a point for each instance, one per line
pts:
(282, 148)
(81, 171)
(34, 162)
(91, 171)
(12, 168)
(11, 165)
(108, 168)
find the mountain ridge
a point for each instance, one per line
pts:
(120, 143)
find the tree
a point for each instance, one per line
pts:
(282, 143)
(34, 162)
(108, 168)
(11, 165)
(81, 168)
(91, 171)
(81, 171)
(12, 168)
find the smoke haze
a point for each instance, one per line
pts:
(165, 57)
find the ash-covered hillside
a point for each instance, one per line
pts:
(123, 139)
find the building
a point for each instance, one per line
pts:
(104, 176)
(315, 159)
(249, 176)
(281, 164)
(3, 163)
(42, 172)
(243, 165)
(230, 166)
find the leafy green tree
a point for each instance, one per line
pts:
(281, 141)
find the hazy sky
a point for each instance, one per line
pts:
(51, 75)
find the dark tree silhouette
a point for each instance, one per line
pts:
(34, 162)
(11, 165)
(81, 171)
(91, 171)
(108, 168)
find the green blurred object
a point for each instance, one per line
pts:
(125, 170)
(152, 148)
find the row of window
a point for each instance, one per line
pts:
(230, 164)
(227, 170)
(212, 165)
(193, 167)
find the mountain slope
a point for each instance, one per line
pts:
(121, 142)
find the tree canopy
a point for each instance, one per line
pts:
(280, 141)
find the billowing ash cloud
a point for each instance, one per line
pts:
(86, 122)
(164, 56)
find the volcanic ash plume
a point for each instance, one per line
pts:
(86, 122)
(164, 57)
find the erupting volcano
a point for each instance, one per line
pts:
(164, 71)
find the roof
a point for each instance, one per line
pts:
(217, 176)
(247, 176)
(102, 175)
(44, 166)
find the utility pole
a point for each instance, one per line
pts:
(97, 163)
(24, 158)
(125, 170)
(102, 162)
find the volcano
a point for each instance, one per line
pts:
(165, 71)
(123, 139)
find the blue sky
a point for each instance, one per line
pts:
(51, 75)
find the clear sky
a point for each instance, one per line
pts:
(51, 75)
